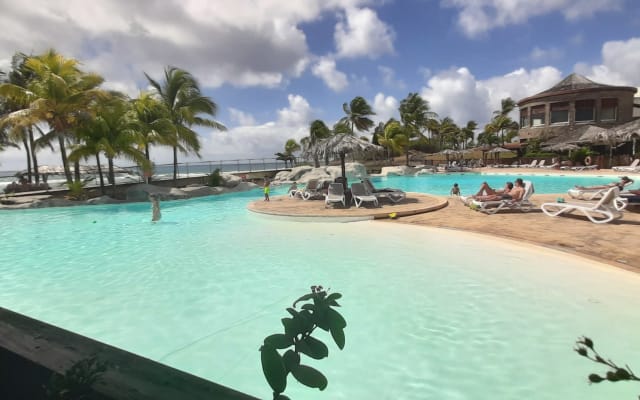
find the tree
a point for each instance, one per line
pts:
(358, 112)
(415, 114)
(114, 132)
(501, 121)
(467, 133)
(395, 138)
(59, 94)
(154, 125)
(290, 147)
(184, 104)
(318, 130)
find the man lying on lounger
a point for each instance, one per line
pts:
(624, 181)
(510, 192)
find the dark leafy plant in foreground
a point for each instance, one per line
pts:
(317, 312)
(586, 348)
(77, 381)
(215, 179)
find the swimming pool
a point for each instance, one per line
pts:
(431, 313)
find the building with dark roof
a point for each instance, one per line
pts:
(572, 105)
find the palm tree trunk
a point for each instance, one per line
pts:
(100, 173)
(32, 144)
(76, 170)
(112, 177)
(25, 143)
(65, 161)
(175, 165)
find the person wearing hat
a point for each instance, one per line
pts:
(624, 181)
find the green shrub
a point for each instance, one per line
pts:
(76, 191)
(579, 155)
(215, 179)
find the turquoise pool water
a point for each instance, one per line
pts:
(432, 313)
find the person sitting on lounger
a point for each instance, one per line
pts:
(624, 181)
(510, 192)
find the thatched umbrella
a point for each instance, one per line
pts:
(496, 151)
(341, 144)
(561, 147)
(628, 132)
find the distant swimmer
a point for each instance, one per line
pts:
(155, 207)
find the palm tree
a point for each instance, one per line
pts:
(468, 132)
(501, 121)
(358, 112)
(59, 94)
(290, 147)
(115, 132)
(449, 132)
(318, 130)
(154, 126)
(415, 114)
(395, 138)
(184, 102)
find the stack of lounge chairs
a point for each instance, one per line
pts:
(393, 195)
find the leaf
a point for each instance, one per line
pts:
(281, 397)
(335, 319)
(303, 298)
(338, 337)
(333, 296)
(291, 359)
(308, 306)
(310, 377)
(293, 312)
(315, 348)
(291, 327)
(278, 340)
(273, 368)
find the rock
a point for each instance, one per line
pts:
(230, 180)
(425, 171)
(397, 170)
(354, 171)
(295, 174)
(141, 192)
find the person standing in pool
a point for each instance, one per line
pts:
(155, 208)
(266, 189)
(455, 190)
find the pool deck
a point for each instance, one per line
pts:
(615, 243)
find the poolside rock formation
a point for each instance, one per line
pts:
(354, 171)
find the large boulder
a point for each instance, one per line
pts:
(397, 170)
(230, 180)
(295, 174)
(354, 171)
(315, 173)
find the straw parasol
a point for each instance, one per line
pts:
(341, 144)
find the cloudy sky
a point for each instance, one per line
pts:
(273, 66)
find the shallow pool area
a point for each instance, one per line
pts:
(431, 313)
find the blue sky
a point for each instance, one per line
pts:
(273, 66)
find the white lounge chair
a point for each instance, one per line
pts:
(590, 193)
(359, 195)
(633, 167)
(541, 164)
(393, 195)
(312, 190)
(584, 167)
(493, 206)
(601, 212)
(335, 194)
(533, 164)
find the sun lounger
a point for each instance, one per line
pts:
(335, 194)
(633, 167)
(313, 190)
(393, 195)
(533, 164)
(590, 193)
(599, 213)
(584, 167)
(359, 195)
(493, 206)
(541, 164)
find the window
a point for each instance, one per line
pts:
(559, 112)
(585, 110)
(524, 118)
(609, 110)
(537, 116)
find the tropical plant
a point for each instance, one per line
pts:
(59, 94)
(586, 348)
(184, 103)
(318, 130)
(316, 312)
(501, 122)
(467, 133)
(415, 114)
(290, 147)
(155, 127)
(114, 132)
(77, 381)
(215, 179)
(357, 116)
(395, 138)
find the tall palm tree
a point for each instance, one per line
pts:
(184, 102)
(318, 130)
(357, 115)
(59, 94)
(468, 132)
(290, 147)
(395, 138)
(154, 125)
(416, 114)
(115, 132)
(501, 121)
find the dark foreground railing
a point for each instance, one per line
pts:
(31, 351)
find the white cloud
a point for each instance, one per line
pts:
(479, 16)
(538, 54)
(620, 64)
(240, 117)
(389, 78)
(385, 107)
(363, 34)
(456, 93)
(325, 69)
